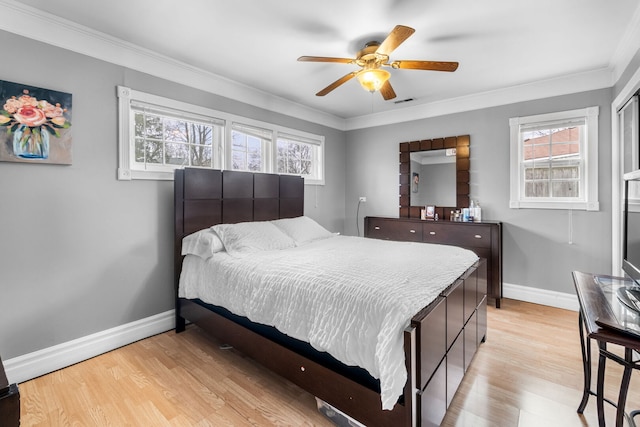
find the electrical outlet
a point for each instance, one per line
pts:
(363, 199)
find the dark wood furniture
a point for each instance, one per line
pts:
(461, 144)
(439, 343)
(598, 302)
(484, 238)
(9, 401)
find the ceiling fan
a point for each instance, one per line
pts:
(373, 57)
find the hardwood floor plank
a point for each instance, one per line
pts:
(533, 353)
(528, 373)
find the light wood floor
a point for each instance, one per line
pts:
(527, 374)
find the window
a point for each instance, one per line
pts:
(250, 148)
(554, 160)
(159, 135)
(162, 138)
(551, 162)
(297, 155)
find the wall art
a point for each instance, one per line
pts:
(35, 124)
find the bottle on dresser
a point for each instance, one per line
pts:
(475, 212)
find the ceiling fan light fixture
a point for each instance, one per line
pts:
(373, 79)
(375, 55)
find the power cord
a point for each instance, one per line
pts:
(358, 217)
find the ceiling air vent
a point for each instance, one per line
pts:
(403, 101)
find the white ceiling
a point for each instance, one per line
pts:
(508, 50)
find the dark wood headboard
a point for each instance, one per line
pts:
(206, 197)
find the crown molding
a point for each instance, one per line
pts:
(564, 85)
(34, 24)
(628, 47)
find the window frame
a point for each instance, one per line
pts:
(588, 164)
(265, 145)
(221, 152)
(317, 156)
(217, 136)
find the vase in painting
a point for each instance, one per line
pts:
(31, 143)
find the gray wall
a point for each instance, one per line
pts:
(81, 252)
(535, 242)
(437, 185)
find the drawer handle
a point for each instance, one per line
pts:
(376, 227)
(433, 233)
(478, 236)
(412, 231)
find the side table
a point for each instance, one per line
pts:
(598, 302)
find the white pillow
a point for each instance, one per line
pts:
(203, 243)
(302, 229)
(250, 237)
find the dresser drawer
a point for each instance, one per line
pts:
(394, 230)
(457, 234)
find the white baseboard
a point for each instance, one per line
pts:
(540, 296)
(32, 365)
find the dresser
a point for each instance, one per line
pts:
(484, 238)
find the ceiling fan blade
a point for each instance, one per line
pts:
(387, 91)
(425, 65)
(395, 38)
(337, 83)
(325, 59)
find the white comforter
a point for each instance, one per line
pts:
(349, 296)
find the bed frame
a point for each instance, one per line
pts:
(439, 344)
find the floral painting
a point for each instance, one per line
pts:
(35, 124)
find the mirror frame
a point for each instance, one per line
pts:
(463, 164)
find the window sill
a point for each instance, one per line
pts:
(309, 181)
(133, 174)
(582, 206)
(130, 174)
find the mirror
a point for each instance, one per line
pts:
(433, 177)
(441, 181)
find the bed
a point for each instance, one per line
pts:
(437, 344)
